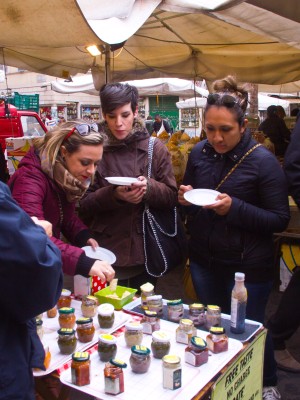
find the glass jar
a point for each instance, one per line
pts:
(197, 313)
(39, 328)
(89, 306)
(213, 316)
(160, 344)
(147, 289)
(52, 312)
(80, 368)
(85, 330)
(107, 347)
(66, 317)
(140, 359)
(65, 299)
(171, 372)
(67, 341)
(175, 310)
(185, 331)
(150, 322)
(106, 315)
(196, 353)
(217, 341)
(114, 377)
(155, 303)
(133, 333)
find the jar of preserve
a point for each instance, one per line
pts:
(67, 341)
(66, 317)
(196, 353)
(114, 377)
(80, 368)
(175, 310)
(155, 303)
(213, 316)
(85, 330)
(39, 328)
(65, 299)
(185, 331)
(52, 312)
(140, 359)
(150, 322)
(133, 333)
(106, 315)
(217, 341)
(160, 344)
(171, 372)
(107, 347)
(89, 306)
(147, 289)
(197, 313)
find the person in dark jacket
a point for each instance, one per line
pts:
(114, 212)
(160, 125)
(51, 177)
(286, 320)
(275, 128)
(233, 232)
(30, 283)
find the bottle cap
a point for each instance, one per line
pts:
(239, 276)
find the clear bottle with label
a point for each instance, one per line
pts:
(238, 304)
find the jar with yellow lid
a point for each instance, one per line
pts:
(67, 341)
(185, 331)
(85, 329)
(217, 340)
(106, 315)
(107, 346)
(197, 313)
(66, 317)
(196, 353)
(147, 289)
(171, 372)
(89, 306)
(133, 333)
(80, 368)
(213, 316)
(150, 322)
(160, 344)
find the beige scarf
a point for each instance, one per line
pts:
(73, 188)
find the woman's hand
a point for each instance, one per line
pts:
(102, 269)
(223, 205)
(134, 193)
(44, 224)
(181, 191)
(93, 243)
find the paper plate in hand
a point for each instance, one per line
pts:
(100, 254)
(201, 197)
(121, 180)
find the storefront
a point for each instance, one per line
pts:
(91, 112)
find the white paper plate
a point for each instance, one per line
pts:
(121, 180)
(100, 254)
(201, 197)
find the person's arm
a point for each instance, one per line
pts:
(291, 164)
(167, 126)
(30, 264)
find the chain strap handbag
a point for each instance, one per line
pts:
(165, 243)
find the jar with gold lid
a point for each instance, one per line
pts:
(185, 331)
(217, 340)
(89, 306)
(107, 346)
(213, 316)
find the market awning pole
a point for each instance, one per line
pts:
(107, 64)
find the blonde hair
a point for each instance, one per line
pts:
(51, 143)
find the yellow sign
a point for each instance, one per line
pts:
(243, 379)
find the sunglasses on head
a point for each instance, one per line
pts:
(83, 130)
(222, 100)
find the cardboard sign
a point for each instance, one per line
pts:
(243, 379)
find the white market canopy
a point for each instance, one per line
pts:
(146, 87)
(256, 40)
(263, 102)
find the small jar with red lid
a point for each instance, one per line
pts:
(66, 317)
(85, 329)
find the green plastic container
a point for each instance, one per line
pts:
(117, 303)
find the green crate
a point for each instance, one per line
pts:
(117, 303)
